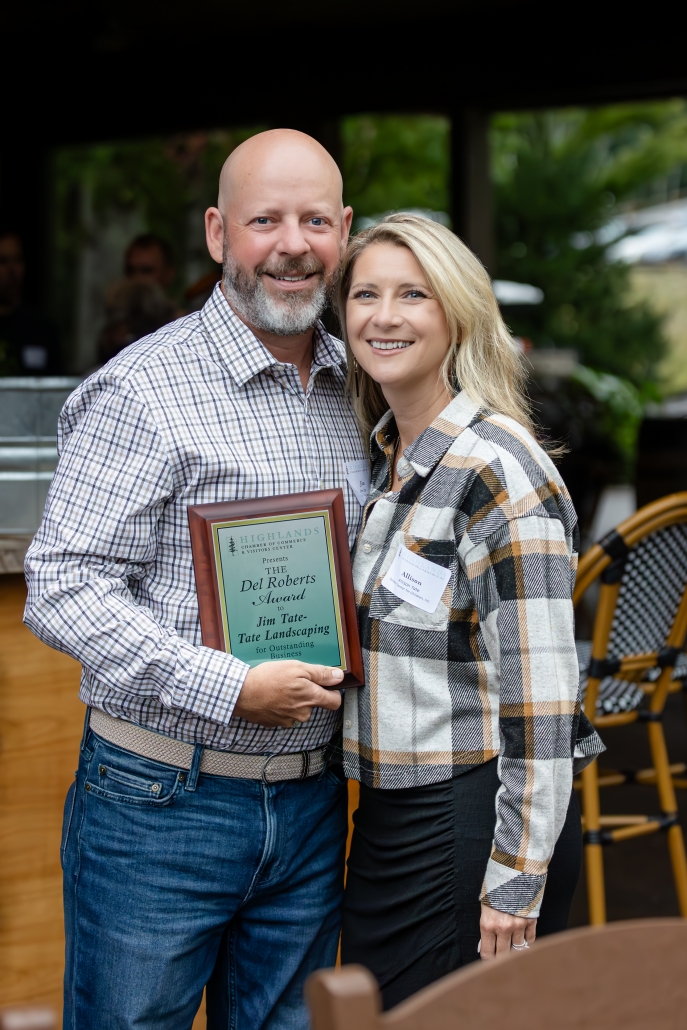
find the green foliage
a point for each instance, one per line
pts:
(160, 178)
(165, 183)
(394, 162)
(622, 409)
(559, 178)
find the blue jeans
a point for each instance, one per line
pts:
(173, 879)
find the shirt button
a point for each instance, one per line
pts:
(348, 724)
(367, 548)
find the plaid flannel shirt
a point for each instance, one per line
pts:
(198, 412)
(493, 671)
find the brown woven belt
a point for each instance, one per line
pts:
(159, 748)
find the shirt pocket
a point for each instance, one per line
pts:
(386, 607)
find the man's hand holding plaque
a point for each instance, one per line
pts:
(285, 693)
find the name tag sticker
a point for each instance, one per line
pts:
(358, 476)
(414, 579)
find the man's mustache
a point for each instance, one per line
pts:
(291, 267)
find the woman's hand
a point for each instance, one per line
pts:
(500, 931)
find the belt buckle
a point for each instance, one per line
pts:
(265, 767)
(306, 763)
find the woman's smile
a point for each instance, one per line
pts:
(390, 345)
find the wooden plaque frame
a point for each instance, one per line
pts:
(202, 517)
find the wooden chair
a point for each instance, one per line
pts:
(625, 976)
(629, 666)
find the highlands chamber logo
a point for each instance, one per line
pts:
(231, 545)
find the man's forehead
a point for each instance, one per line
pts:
(281, 182)
(280, 169)
(283, 199)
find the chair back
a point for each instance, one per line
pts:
(624, 976)
(641, 617)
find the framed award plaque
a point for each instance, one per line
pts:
(274, 580)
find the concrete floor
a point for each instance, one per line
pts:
(638, 875)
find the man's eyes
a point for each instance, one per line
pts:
(265, 220)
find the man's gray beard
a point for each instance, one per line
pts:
(291, 314)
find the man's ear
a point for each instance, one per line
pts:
(214, 233)
(346, 220)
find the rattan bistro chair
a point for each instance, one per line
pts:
(634, 661)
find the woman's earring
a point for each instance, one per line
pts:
(355, 369)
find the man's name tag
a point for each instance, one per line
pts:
(358, 476)
(416, 580)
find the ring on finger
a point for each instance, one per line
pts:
(520, 947)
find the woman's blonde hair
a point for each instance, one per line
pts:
(482, 358)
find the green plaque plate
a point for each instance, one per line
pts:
(274, 580)
(277, 589)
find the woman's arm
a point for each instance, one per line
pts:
(521, 579)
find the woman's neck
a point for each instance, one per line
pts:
(415, 409)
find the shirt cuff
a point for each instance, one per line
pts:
(588, 745)
(519, 894)
(213, 685)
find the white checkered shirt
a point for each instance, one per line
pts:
(492, 672)
(198, 412)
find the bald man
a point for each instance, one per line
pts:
(204, 834)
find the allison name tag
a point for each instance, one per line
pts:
(414, 579)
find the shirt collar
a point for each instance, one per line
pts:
(431, 445)
(242, 353)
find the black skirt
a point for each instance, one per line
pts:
(415, 871)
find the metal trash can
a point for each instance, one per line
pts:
(29, 408)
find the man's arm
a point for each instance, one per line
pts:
(99, 533)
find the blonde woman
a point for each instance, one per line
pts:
(463, 737)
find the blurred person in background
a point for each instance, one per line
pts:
(150, 259)
(28, 341)
(138, 304)
(135, 308)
